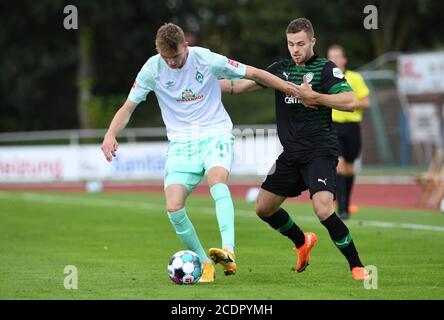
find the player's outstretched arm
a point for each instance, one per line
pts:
(119, 122)
(269, 80)
(344, 101)
(239, 86)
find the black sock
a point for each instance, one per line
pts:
(341, 237)
(348, 188)
(282, 222)
(341, 194)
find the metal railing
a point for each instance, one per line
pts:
(130, 134)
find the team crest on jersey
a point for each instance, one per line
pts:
(309, 76)
(189, 95)
(199, 77)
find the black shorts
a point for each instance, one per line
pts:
(289, 179)
(349, 140)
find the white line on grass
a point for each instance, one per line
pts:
(239, 212)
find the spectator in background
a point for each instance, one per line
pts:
(347, 125)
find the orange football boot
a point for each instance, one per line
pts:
(304, 251)
(226, 258)
(359, 273)
(208, 272)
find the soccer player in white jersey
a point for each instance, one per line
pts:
(185, 81)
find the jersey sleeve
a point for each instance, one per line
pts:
(145, 83)
(223, 68)
(333, 80)
(273, 68)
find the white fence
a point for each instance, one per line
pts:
(254, 153)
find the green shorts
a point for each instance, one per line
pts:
(187, 162)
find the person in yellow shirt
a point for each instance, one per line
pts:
(347, 125)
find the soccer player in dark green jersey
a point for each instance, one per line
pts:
(310, 155)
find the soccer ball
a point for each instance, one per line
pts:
(185, 267)
(252, 194)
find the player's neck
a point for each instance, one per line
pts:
(302, 64)
(186, 59)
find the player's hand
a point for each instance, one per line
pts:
(305, 94)
(109, 147)
(292, 89)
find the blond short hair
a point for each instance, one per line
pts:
(169, 38)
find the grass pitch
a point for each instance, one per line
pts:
(120, 244)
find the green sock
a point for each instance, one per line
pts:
(224, 213)
(186, 232)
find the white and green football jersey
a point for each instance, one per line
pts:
(190, 97)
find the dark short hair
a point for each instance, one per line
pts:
(301, 24)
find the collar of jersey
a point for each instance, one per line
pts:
(313, 58)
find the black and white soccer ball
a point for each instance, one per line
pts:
(185, 267)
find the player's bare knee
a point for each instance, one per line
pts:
(263, 210)
(217, 175)
(175, 196)
(215, 180)
(323, 205)
(323, 212)
(174, 207)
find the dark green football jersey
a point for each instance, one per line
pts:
(304, 132)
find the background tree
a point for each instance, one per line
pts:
(53, 78)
